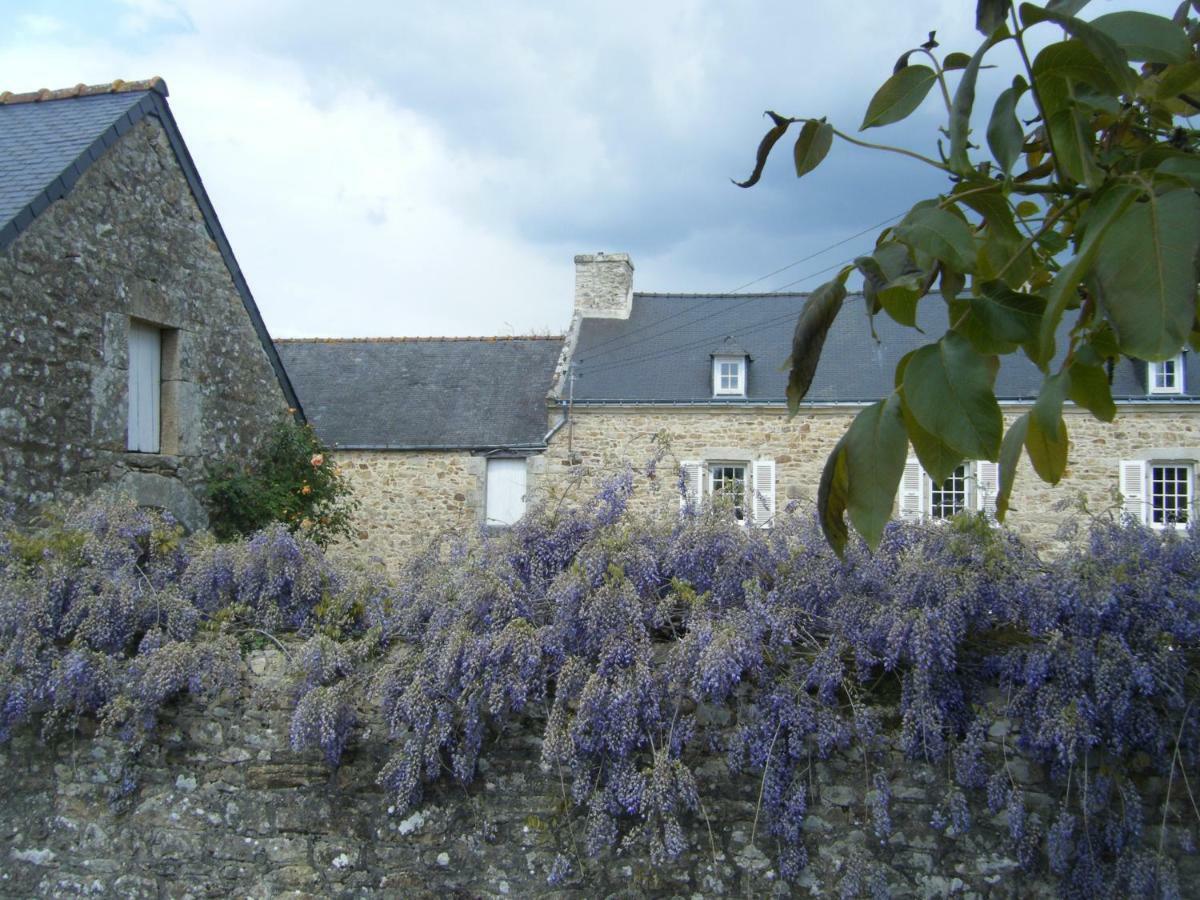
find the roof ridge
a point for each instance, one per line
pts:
(490, 339)
(117, 86)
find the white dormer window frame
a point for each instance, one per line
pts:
(729, 376)
(1165, 376)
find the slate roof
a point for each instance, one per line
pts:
(425, 393)
(662, 353)
(48, 139)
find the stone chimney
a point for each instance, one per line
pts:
(603, 285)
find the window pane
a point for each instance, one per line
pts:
(729, 487)
(1170, 494)
(950, 497)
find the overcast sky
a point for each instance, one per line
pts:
(387, 167)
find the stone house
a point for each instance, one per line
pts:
(133, 352)
(435, 434)
(699, 377)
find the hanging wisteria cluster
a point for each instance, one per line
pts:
(640, 649)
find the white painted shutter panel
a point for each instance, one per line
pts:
(145, 384)
(912, 491)
(1133, 489)
(505, 491)
(987, 486)
(763, 507)
(693, 475)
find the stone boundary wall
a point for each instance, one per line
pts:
(225, 808)
(605, 438)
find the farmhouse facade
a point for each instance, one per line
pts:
(699, 380)
(133, 352)
(687, 391)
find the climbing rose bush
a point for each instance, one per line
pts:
(639, 649)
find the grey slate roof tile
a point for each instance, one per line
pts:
(455, 393)
(661, 353)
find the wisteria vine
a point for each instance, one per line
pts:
(642, 648)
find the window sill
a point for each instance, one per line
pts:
(158, 462)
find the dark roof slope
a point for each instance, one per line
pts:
(662, 352)
(48, 139)
(420, 393)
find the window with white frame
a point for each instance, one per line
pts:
(729, 376)
(972, 486)
(506, 489)
(144, 433)
(1166, 376)
(1159, 492)
(727, 487)
(745, 487)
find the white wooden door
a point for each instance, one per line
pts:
(145, 380)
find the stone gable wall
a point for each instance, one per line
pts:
(224, 808)
(128, 241)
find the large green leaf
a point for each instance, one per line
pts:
(1145, 274)
(999, 319)
(809, 337)
(1046, 439)
(1145, 37)
(899, 297)
(941, 234)
(1106, 207)
(764, 148)
(1090, 389)
(964, 103)
(1010, 455)
(937, 458)
(1004, 253)
(899, 96)
(816, 137)
(1186, 168)
(1047, 452)
(876, 446)
(833, 492)
(1005, 136)
(1103, 47)
(948, 390)
(1174, 80)
(990, 15)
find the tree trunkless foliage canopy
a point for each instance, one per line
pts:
(1083, 221)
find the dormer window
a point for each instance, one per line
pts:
(1166, 377)
(729, 376)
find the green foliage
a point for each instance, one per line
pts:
(291, 478)
(1073, 240)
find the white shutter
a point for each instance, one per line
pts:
(987, 486)
(693, 474)
(763, 507)
(505, 491)
(145, 385)
(1133, 489)
(912, 491)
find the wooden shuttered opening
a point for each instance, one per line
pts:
(987, 486)
(506, 489)
(912, 492)
(145, 387)
(763, 506)
(1133, 489)
(692, 475)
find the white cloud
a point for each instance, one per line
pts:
(422, 167)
